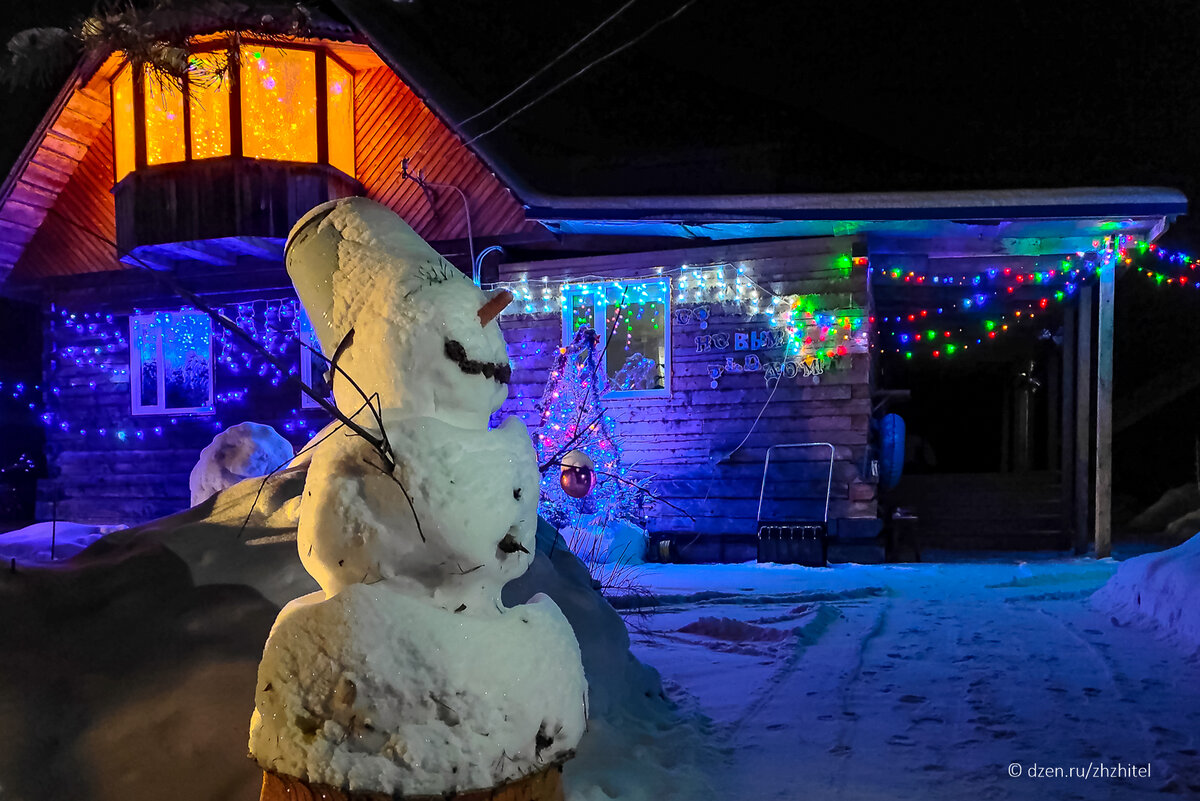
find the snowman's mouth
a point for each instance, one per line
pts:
(497, 371)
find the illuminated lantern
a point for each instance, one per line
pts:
(578, 474)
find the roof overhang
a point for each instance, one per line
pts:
(1029, 220)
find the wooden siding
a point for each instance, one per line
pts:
(220, 198)
(69, 169)
(392, 124)
(100, 479)
(680, 440)
(46, 171)
(62, 244)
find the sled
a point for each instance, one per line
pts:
(794, 542)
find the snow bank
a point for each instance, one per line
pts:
(237, 453)
(730, 630)
(599, 541)
(638, 745)
(1176, 513)
(32, 543)
(1158, 590)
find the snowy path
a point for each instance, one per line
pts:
(924, 681)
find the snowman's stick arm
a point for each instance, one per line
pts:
(385, 447)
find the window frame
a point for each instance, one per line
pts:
(598, 292)
(308, 338)
(321, 101)
(137, 408)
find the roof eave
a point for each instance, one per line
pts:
(994, 205)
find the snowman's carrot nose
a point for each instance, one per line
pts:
(489, 311)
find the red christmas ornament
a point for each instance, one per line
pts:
(578, 474)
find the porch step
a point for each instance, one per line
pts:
(985, 511)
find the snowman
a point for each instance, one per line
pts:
(406, 673)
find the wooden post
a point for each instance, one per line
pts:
(1053, 393)
(1083, 419)
(1067, 432)
(1104, 390)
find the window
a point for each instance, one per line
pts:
(632, 320)
(279, 103)
(312, 366)
(292, 103)
(171, 369)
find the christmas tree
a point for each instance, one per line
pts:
(574, 419)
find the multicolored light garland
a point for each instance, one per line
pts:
(573, 418)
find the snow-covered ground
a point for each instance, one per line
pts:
(129, 671)
(922, 681)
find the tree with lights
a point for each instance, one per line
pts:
(574, 419)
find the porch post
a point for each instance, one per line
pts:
(1104, 390)
(1067, 431)
(1053, 447)
(1083, 419)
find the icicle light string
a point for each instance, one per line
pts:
(275, 324)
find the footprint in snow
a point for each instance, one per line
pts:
(912, 699)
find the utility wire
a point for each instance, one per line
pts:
(550, 64)
(575, 75)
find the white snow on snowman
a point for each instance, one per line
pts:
(406, 674)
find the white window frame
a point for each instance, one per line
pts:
(598, 292)
(135, 369)
(308, 337)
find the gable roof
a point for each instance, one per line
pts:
(57, 215)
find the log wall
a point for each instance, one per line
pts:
(684, 440)
(101, 479)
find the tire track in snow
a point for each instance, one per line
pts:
(1175, 772)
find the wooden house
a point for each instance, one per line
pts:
(734, 323)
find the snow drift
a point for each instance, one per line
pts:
(35, 543)
(638, 745)
(1158, 590)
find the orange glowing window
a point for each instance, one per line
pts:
(339, 86)
(279, 103)
(164, 120)
(283, 108)
(208, 108)
(123, 123)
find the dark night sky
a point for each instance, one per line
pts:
(825, 96)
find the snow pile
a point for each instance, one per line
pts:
(33, 543)
(1158, 590)
(1176, 513)
(237, 453)
(425, 683)
(638, 745)
(603, 541)
(730, 630)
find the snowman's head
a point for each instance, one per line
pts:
(424, 337)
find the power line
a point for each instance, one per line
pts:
(552, 62)
(575, 75)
